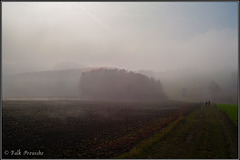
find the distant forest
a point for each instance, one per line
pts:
(46, 84)
(118, 84)
(115, 84)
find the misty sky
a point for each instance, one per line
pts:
(157, 36)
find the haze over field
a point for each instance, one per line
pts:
(85, 80)
(175, 42)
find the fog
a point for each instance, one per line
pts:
(166, 38)
(157, 36)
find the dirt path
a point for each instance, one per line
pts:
(205, 133)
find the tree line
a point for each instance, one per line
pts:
(119, 84)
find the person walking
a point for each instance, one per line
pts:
(209, 103)
(206, 103)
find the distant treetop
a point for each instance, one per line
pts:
(119, 84)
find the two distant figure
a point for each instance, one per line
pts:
(207, 103)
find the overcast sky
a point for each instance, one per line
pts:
(157, 36)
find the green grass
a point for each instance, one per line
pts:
(199, 135)
(231, 110)
(141, 149)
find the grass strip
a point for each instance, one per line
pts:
(145, 144)
(198, 135)
(231, 110)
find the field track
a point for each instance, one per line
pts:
(205, 133)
